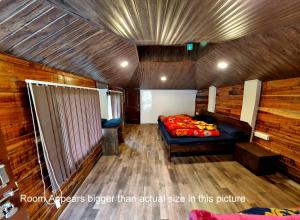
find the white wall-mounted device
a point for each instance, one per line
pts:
(251, 97)
(212, 94)
(262, 135)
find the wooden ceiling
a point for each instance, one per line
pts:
(267, 56)
(37, 31)
(180, 75)
(259, 39)
(171, 22)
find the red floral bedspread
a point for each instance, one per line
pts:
(184, 125)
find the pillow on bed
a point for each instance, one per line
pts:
(112, 123)
(232, 131)
(207, 118)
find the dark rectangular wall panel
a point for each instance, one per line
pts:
(229, 101)
(201, 101)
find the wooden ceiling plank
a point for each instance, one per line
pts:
(23, 41)
(109, 63)
(65, 52)
(21, 17)
(33, 52)
(41, 35)
(213, 21)
(7, 8)
(66, 46)
(24, 31)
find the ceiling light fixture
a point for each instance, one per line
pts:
(163, 78)
(222, 65)
(124, 63)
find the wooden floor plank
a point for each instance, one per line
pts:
(142, 169)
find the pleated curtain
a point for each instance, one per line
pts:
(70, 122)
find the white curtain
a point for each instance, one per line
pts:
(116, 104)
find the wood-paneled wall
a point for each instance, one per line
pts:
(229, 101)
(279, 116)
(17, 130)
(201, 101)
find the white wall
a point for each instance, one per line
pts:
(166, 102)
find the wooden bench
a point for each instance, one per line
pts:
(257, 159)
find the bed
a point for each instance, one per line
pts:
(231, 132)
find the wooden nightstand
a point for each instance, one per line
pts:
(257, 159)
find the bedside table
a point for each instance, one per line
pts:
(257, 159)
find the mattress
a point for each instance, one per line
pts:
(224, 137)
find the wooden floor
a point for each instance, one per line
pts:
(142, 170)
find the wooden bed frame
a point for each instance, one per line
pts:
(209, 148)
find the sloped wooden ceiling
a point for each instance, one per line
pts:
(266, 56)
(259, 39)
(169, 22)
(37, 31)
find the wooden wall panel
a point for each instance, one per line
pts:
(175, 53)
(229, 101)
(17, 130)
(201, 101)
(279, 116)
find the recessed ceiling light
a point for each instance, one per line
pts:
(124, 63)
(163, 78)
(222, 65)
